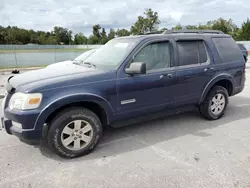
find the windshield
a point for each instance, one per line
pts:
(112, 53)
(84, 55)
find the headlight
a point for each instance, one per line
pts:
(23, 101)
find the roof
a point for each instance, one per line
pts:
(174, 33)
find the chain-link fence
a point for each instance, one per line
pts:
(12, 56)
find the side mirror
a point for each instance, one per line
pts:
(136, 68)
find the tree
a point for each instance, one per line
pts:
(69, 35)
(177, 27)
(191, 27)
(63, 35)
(138, 27)
(93, 39)
(2, 34)
(226, 26)
(122, 32)
(111, 34)
(33, 39)
(10, 39)
(51, 40)
(206, 26)
(79, 38)
(104, 37)
(244, 32)
(96, 32)
(149, 23)
(152, 20)
(42, 39)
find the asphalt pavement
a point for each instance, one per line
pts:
(174, 152)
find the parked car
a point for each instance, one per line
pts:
(244, 51)
(77, 60)
(129, 79)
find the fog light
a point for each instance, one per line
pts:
(17, 125)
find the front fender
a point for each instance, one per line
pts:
(69, 99)
(212, 82)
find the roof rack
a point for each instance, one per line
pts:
(193, 31)
(153, 32)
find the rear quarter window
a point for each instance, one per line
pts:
(228, 50)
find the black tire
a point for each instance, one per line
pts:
(65, 117)
(205, 107)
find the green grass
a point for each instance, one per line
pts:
(42, 50)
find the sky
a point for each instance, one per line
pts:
(81, 15)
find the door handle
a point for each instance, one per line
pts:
(208, 69)
(166, 76)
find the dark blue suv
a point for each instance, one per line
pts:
(127, 80)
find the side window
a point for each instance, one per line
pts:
(228, 50)
(191, 52)
(155, 55)
(202, 52)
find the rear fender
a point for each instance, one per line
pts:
(211, 83)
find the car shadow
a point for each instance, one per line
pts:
(117, 141)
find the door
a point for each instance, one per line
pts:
(194, 70)
(152, 91)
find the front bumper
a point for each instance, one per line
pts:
(21, 124)
(30, 136)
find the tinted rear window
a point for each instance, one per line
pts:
(228, 50)
(191, 52)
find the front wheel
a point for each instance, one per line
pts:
(215, 103)
(74, 132)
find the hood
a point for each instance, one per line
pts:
(58, 64)
(49, 75)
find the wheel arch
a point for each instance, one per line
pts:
(95, 103)
(224, 80)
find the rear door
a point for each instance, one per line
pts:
(194, 70)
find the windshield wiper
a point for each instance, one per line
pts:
(80, 62)
(77, 62)
(89, 63)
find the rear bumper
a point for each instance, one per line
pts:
(237, 90)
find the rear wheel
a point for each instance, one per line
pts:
(74, 132)
(215, 103)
